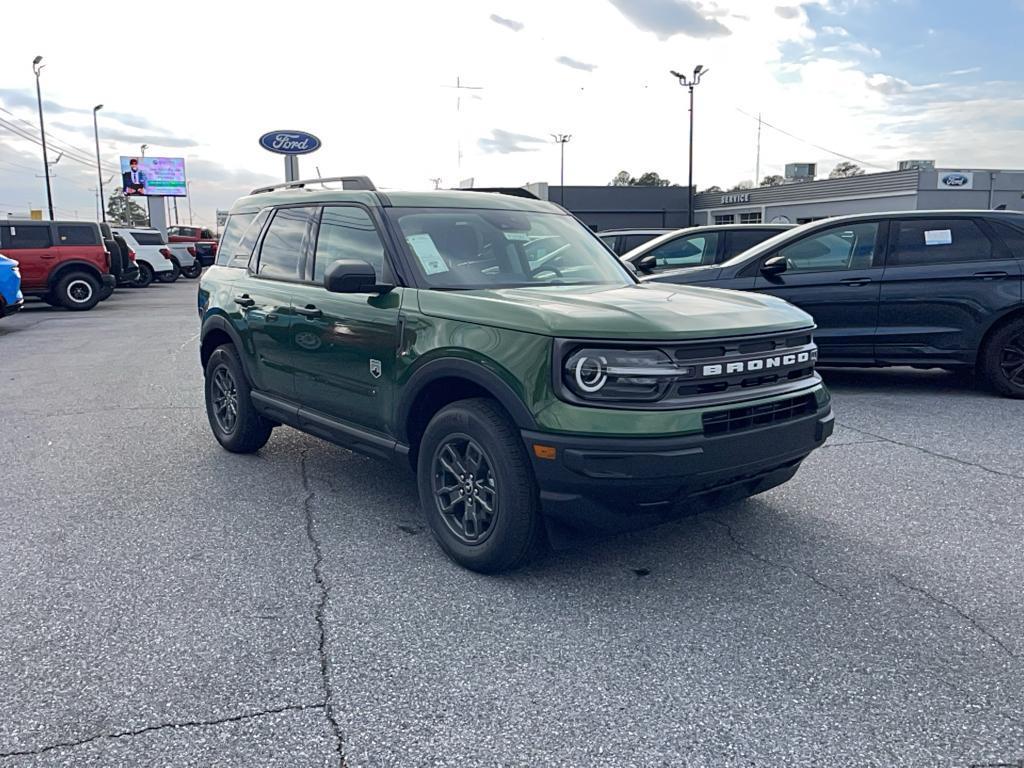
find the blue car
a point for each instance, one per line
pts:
(11, 299)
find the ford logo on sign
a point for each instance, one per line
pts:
(290, 142)
(955, 180)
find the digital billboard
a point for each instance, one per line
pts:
(153, 176)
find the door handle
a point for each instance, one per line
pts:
(991, 275)
(855, 281)
(309, 311)
(244, 300)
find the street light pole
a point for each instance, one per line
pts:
(99, 167)
(37, 69)
(562, 139)
(690, 83)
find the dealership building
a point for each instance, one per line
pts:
(919, 187)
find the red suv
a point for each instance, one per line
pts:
(63, 262)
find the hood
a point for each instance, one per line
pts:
(6, 262)
(687, 275)
(652, 311)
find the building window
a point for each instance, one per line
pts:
(750, 218)
(724, 218)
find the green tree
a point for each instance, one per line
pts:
(774, 180)
(622, 179)
(846, 169)
(648, 179)
(124, 210)
(741, 186)
(714, 189)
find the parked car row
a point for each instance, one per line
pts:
(931, 289)
(77, 264)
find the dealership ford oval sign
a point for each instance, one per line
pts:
(290, 142)
(956, 179)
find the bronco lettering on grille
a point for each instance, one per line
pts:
(760, 364)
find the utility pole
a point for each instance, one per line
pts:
(37, 68)
(561, 139)
(99, 167)
(757, 162)
(188, 198)
(690, 83)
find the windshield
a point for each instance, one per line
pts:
(456, 248)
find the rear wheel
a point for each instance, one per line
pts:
(77, 291)
(172, 275)
(192, 272)
(1002, 359)
(235, 422)
(477, 488)
(145, 276)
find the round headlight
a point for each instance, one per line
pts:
(591, 373)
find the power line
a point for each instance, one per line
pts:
(31, 134)
(811, 143)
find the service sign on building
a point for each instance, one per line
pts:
(153, 176)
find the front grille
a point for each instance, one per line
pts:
(762, 415)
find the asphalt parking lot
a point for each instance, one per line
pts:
(163, 602)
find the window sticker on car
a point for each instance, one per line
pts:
(426, 251)
(938, 237)
(516, 236)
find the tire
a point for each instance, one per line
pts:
(247, 431)
(145, 276)
(464, 433)
(106, 292)
(1002, 359)
(192, 272)
(170, 277)
(77, 291)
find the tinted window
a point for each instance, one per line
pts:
(850, 246)
(348, 233)
(1011, 236)
(205, 234)
(940, 241)
(609, 240)
(629, 242)
(148, 238)
(284, 245)
(76, 234)
(26, 236)
(691, 251)
(240, 233)
(738, 241)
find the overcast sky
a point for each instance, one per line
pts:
(878, 80)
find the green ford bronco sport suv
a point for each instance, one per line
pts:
(500, 348)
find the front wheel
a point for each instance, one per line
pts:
(172, 275)
(235, 422)
(192, 272)
(477, 488)
(145, 276)
(1002, 359)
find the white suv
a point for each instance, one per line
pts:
(152, 255)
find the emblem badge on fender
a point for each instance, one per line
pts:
(375, 368)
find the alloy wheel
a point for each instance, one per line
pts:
(1011, 361)
(79, 291)
(224, 393)
(465, 488)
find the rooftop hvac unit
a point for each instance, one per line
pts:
(801, 171)
(916, 165)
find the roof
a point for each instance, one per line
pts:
(391, 198)
(867, 184)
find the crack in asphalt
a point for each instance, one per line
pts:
(160, 727)
(744, 549)
(959, 612)
(936, 454)
(321, 608)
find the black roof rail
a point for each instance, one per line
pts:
(347, 182)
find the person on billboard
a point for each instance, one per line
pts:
(134, 180)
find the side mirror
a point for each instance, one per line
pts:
(776, 265)
(647, 263)
(352, 276)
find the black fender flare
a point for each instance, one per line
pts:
(70, 265)
(464, 369)
(221, 323)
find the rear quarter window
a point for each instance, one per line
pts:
(76, 234)
(148, 238)
(239, 237)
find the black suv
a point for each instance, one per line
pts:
(924, 288)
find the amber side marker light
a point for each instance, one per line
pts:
(544, 451)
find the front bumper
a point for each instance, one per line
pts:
(612, 484)
(10, 308)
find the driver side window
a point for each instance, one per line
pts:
(850, 246)
(691, 251)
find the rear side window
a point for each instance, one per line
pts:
(609, 240)
(347, 232)
(76, 234)
(940, 241)
(148, 238)
(240, 233)
(284, 245)
(691, 251)
(1011, 236)
(26, 236)
(736, 242)
(629, 242)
